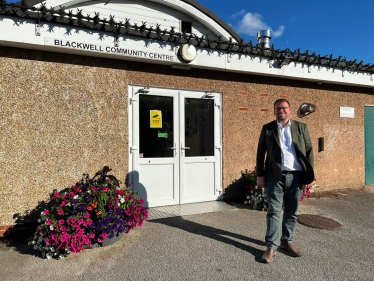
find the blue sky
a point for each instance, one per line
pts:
(344, 27)
(338, 27)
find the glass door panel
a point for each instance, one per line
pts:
(199, 127)
(156, 126)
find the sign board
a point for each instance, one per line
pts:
(347, 112)
(162, 135)
(156, 119)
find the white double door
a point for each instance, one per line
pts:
(175, 145)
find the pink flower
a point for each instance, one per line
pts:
(63, 228)
(92, 235)
(104, 235)
(55, 195)
(87, 215)
(46, 212)
(60, 212)
(80, 221)
(64, 196)
(141, 201)
(63, 203)
(100, 240)
(140, 223)
(71, 194)
(128, 212)
(61, 221)
(89, 222)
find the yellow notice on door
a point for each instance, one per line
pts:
(156, 119)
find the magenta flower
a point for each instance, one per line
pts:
(100, 240)
(92, 235)
(60, 212)
(80, 221)
(61, 221)
(87, 215)
(141, 201)
(104, 235)
(46, 212)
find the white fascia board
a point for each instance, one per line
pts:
(21, 33)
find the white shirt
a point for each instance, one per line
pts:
(289, 157)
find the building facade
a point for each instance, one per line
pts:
(178, 116)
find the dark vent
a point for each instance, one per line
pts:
(186, 27)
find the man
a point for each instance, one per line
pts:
(287, 171)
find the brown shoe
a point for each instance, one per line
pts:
(291, 249)
(267, 257)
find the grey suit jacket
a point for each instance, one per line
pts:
(269, 145)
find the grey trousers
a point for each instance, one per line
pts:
(286, 192)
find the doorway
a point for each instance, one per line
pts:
(175, 145)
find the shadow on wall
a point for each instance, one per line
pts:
(140, 187)
(219, 235)
(234, 192)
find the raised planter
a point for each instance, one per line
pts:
(108, 241)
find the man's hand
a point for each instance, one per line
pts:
(305, 186)
(261, 181)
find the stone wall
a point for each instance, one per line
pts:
(64, 115)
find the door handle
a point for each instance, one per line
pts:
(174, 148)
(185, 148)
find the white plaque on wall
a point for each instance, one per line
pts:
(347, 112)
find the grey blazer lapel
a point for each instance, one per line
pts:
(294, 134)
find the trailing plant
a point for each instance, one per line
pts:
(255, 196)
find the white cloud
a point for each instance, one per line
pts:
(238, 14)
(250, 24)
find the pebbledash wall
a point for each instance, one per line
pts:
(62, 115)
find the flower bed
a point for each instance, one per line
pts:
(87, 213)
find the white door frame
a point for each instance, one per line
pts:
(133, 100)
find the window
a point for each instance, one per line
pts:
(186, 26)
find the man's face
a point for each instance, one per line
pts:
(282, 111)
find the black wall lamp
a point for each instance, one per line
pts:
(306, 109)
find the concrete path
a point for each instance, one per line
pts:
(218, 246)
